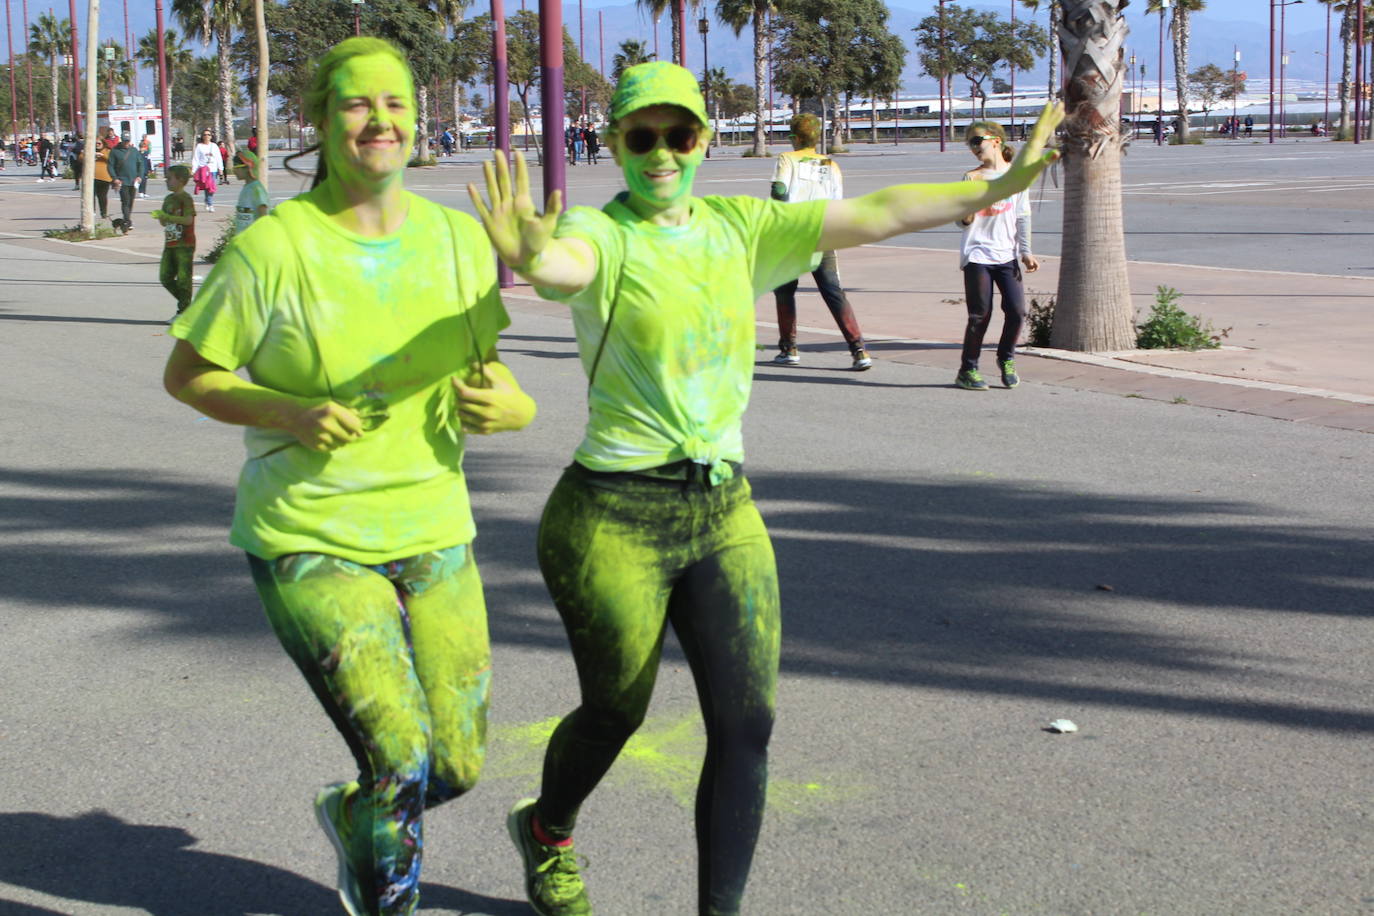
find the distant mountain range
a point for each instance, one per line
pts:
(1212, 41)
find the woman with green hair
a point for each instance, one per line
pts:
(653, 522)
(366, 318)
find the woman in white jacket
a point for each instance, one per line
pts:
(206, 155)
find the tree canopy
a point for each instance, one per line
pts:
(976, 44)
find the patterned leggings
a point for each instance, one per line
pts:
(398, 656)
(623, 556)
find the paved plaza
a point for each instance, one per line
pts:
(1171, 550)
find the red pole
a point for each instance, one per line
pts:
(76, 73)
(14, 96)
(28, 70)
(1326, 80)
(128, 46)
(551, 94)
(1283, 70)
(500, 106)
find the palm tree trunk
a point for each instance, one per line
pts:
(1056, 49)
(53, 73)
(422, 134)
(92, 92)
(760, 80)
(1181, 69)
(873, 121)
(226, 90)
(1344, 132)
(1093, 309)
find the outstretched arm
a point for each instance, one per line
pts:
(522, 237)
(912, 207)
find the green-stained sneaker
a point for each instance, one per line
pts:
(1009, 376)
(970, 380)
(553, 879)
(329, 811)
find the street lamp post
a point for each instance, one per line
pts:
(357, 22)
(942, 77)
(1159, 108)
(1013, 74)
(1135, 96)
(1235, 92)
(704, 26)
(1326, 79)
(1279, 5)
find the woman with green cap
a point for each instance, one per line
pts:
(653, 522)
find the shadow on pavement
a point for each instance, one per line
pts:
(966, 584)
(81, 319)
(99, 859)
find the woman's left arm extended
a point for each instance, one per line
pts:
(490, 400)
(912, 207)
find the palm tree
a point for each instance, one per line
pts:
(217, 19)
(51, 37)
(1348, 11)
(632, 51)
(264, 72)
(179, 58)
(451, 14)
(1093, 310)
(655, 9)
(1056, 49)
(1179, 33)
(737, 14)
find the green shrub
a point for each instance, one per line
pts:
(1171, 328)
(221, 243)
(422, 162)
(1041, 319)
(75, 234)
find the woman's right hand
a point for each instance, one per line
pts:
(323, 426)
(517, 231)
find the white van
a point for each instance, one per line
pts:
(136, 122)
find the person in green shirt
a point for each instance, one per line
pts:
(367, 319)
(653, 523)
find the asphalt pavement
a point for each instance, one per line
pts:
(1188, 583)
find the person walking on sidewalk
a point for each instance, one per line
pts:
(654, 523)
(367, 319)
(994, 238)
(127, 168)
(206, 163)
(803, 175)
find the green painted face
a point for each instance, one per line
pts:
(369, 129)
(661, 178)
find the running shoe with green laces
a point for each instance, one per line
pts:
(1009, 376)
(970, 380)
(329, 811)
(553, 879)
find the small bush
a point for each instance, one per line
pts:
(75, 233)
(422, 162)
(1041, 319)
(221, 243)
(1193, 139)
(1171, 328)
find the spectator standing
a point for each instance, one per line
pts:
(593, 145)
(1249, 125)
(805, 175)
(223, 162)
(100, 171)
(47, 160)
(178, 148)
(993, 239)
(145, 149)
(206, 163)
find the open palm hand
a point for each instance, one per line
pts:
(517, 231)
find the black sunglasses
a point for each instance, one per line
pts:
(680, 139)
(978, 141)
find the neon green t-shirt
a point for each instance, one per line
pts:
(309, 308)
(678, 362)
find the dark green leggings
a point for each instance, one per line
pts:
(624, 555)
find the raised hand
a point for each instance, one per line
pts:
(517, 231)
(1033, 158)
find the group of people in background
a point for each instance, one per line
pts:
(582, 143)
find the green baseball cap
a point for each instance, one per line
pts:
(658, 83)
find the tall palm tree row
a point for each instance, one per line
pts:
(1180, 32)
(51, 37)
(1348, 10)
(737, 14)
(1093, 306)
(179, 58)
(217, 19)
(116, 70)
